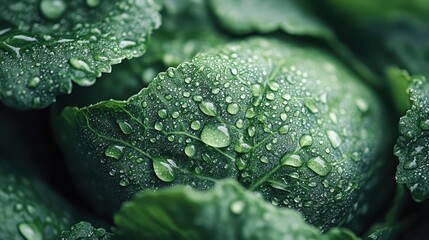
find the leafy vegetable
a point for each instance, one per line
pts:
(273, 115)
(413, 143)
(29, 210)
(59, 42)
(291, 16)
(226, 212)
(85, 230)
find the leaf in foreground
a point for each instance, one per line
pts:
(227, 212)
(412, 147)
(283, 119)
(84, 230)
(46, 45)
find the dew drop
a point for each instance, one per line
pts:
(334, 138)
(250, 113)
(190, 150)
(251, 131)
(264, 159)
(241, 164)
(162, 113)
(291, 160)
(234, 71)
(233, 108)
(163, 169)
(256, 90)
(208, 108)
(195, 125)
(411, 164)
(114, 151)
(33, 83)
(125, 127)
(159, 126)
(52, 9)
(124, 182)
(306, 140)
(311, 105)
(29, 231)
(424, 124)
(284, 129)
(242, 147)
(270, 96)
(239, 123)
(319, 166)
(216, 135)
(79, 64)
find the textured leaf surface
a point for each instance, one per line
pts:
(291, 16)
(227, 212)
(46, 45)
(412, 147)
(29, 210)
(84, 230)
(286, 120)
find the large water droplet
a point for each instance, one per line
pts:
(291, 160)
(242, 147)
(311, 105)
(29, 231)
(233, 108)
(250, 113)
(362, 105)
(80, 64)
(215, 135)
(33, 82)
(256, 90)
(319, 166)
(284, 129)
(163, 169)
(195, 125)
(305, 140)
(334, 138)
(190, 150)
(114, 151)
(208, 108)
(162, 113)
(52, 9)
(125, 127)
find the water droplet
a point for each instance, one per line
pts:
(334, 138)
(175, 115)
(256, 90)
(251, 131)
(241, 164)
(125, 127)
(190, 150)
(311, 105)
(162, 113)
(242, 147)
(29, 231)
(163, 169)
(250, 113)
(195, 125)
(333, 117)
(170, 72)
(34, 82)
(127, 44)
(274, 86)
(286, 97)
(197, 98)
(124, 182)
(284, 129)
(424, 124)
(237, 207)
(234, 71)
(270, 96)
(239, 123)
(208, 108)
(305, 140)
(80, 64)
(264, 159)
(291, 160)
(319, 166)
(52, 9)
(93, 3)
(362, 105)
(114, 151)
(411, 164)
(159, 126)
(215, 135)
(233, 108)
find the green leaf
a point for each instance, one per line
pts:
(284, 119)
(399, 81)
(84, 230)
(340, 234)
(29, 209)
(412, 146)
(291, 16)
(46, 45)
(226, 212)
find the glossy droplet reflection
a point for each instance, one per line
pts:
(216, 135)
(319, 166)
